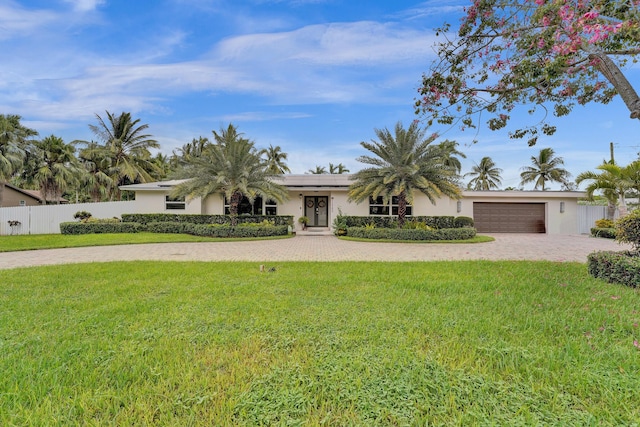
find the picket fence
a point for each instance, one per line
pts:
(47, 219)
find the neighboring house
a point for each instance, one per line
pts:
(14, 196)
(322, 197)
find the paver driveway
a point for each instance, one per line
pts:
(326, 248)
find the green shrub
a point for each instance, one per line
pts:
(414, 224)
(206, 219)
(604, 223)
(412, 234)
(463, 221)
(392, 221)
(239, 231)
(169, 227)
(82, 215)
(607, 233)
(628, 229)
(100, 227)
(621, 267)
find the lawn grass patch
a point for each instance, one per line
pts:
(220, 343)
(53, 241)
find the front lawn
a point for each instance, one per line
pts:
(54, 241)
(437, 343)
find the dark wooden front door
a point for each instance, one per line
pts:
(316, 208)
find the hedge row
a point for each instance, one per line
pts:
(607, 233)
(206, 219)
(615, 267)
(207, 230)
(405, 234)
(438, 222)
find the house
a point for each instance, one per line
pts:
(15, 196)
(322, 197)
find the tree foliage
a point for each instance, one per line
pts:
(402, 163)
(545, 167)
(613, 181)
(231, 166)
(486, 175)
(14, 141)
(542, 54)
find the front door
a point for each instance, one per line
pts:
(317, 209)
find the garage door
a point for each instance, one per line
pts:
(509, 217)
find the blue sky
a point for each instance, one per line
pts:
(312, 76)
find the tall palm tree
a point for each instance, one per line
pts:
(449, 153)
(231, 166)
(13, 140)
(58, 167)
(95, 181)
(276, 160)
(337, 169)
(614, 181)
(319, 170)
(127, 147)
(546, 167)
(402, 164)
(486, 175)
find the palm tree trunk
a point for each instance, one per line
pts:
(402, 208)
(234, 202)
(1, 192)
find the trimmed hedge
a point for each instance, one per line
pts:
(621, 267)
(207, 230)
(606, 233)
(392, 221)
(100, 227)
(206, 219)
(463, 221)
(408, 234)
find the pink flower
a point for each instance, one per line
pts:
(636, 344)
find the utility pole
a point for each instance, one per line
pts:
(611, 150)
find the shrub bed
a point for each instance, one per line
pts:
(206, 219)
(100, 227)
(607, 233)
(392, 222)
(238, 231)
(409, 234)
(615, 267)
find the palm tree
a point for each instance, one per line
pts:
(13, 140)
(337, 169)
(403, 163)
(231, 166)
(95, 180)
(58, 168)
(546, 167)
(127, 147)
(614, 181)
(449, 153)
(486, 175)
(319, 170)
(276, 160)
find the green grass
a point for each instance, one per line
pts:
(52, 241)
(439, 343)
(477, 239)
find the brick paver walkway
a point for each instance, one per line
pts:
(326, 248)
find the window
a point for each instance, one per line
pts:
(271, 207)
(379, 207)
(394, 207)
(23, 203)
(174, 203)
(255, 208)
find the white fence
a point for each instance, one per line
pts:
(47, 219)
(588, 215)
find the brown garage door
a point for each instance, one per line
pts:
(509, 217)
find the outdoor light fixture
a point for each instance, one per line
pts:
(300, 195)
(561, 207)
(459, 206)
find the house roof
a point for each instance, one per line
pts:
(34, 194)
(332, 182)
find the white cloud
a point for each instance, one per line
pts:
(85, 5)
(17, 21)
